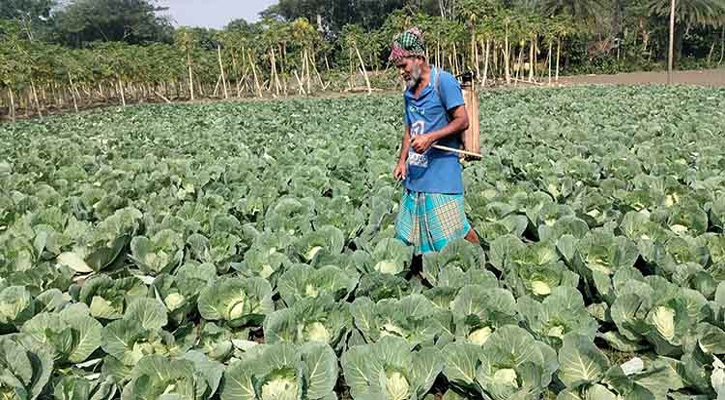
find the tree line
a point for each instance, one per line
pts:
(84, 52)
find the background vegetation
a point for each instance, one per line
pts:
(78, 53)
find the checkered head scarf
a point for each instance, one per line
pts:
(407, 44)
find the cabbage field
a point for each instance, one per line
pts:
(245, 251)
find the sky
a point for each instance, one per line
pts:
(213, 13)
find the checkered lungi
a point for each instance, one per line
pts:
(429, 221)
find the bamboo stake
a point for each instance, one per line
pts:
(485, 65)
(216, 87)
(221, 68)
(12, 104)
(256, 77)
(558, 57)
(120, 92)
(162, 97)
(73, 95)
(549, 59)
(671, 52)
(300, 86)
(191, 75)
(507, 57)
(532, 60)
(35, 96)
(310, 61)
(722, 45)
(365, 72)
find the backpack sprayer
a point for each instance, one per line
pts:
(471, 143)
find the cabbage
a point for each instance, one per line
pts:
(397, 386)
(663, 319)
(540, 288)
(236, 309)
(480, 336)
(387, 267)
(174, 301)
(506, 376)
(316, 332)
(280, 388)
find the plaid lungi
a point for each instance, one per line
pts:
(429, 221)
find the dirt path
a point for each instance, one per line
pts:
(714, 77)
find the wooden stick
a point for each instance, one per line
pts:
(466, 153)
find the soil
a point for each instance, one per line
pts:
(713, 77)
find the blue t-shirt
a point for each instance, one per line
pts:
(434, 171)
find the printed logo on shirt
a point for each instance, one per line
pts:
(418, 160)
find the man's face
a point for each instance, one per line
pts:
(411, 71)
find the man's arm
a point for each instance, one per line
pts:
(458, 124)
(405, 147)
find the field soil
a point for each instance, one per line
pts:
(713, 77)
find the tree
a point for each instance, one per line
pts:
(583, 10)
(130, 21)
(689, 13)
(33, 15)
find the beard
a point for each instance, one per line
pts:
(414, 79)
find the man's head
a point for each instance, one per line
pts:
(408, 55)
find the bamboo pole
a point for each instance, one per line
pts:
(35, 96)
(221, 68)
(256, 77)
(485, 62)
(300, 86)
(73, 95)
(722, 45)
(558, 57)
(671, 52)
(532, 58)
(507, 57)
(365, 72)
(191, 75)
(121, 93)
(12, 104)
(549, 59)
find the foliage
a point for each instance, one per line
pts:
(243, 251)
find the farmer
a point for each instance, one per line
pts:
(432, 211)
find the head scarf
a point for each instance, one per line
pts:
(407, 44)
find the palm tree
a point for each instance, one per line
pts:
(688, 13)
(583, 10)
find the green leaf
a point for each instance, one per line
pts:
(149, 313)
(581, 362)
(320, 369)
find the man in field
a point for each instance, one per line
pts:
(432, 211)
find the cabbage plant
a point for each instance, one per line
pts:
(161, 253)
(479, 311)
(302, 281)
(459, 254)
(283, 371)
(191, 377)
(511, 364)
(558, 314)
(389, 370)
(320, 319)
(108, 298)
(588, 373)
(72, 334)
(26, 367)
(411, 318)
(239, 301)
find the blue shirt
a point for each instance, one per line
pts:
(434, 171)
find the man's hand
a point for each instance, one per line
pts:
(401, 171)
(422, 143)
